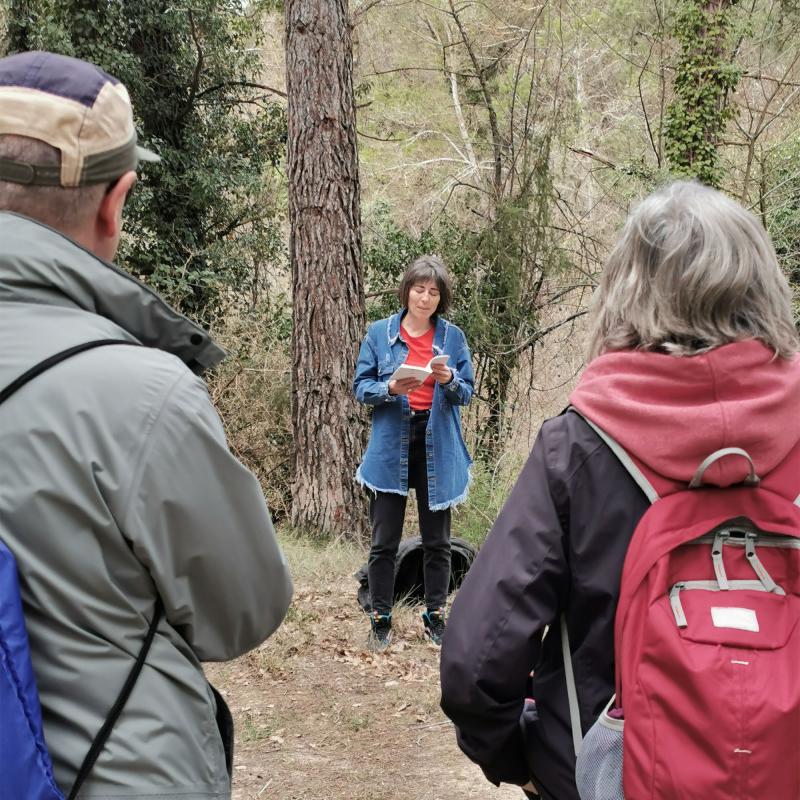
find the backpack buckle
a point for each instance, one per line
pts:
(677, 606)
(719, 564)
(766, 579)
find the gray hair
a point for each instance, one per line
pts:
(427, 268)
(66, 209)
(692, 270)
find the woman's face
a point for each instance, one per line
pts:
(423, 299)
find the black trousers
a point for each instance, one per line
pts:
(387, 512)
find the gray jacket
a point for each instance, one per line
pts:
(117, 486)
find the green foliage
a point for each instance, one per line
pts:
(704, 78)
(782, 217)
(200, 219)
(490, 486)
(389, 249)
(252, 391)
(498, 273)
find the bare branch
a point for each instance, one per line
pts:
(361, 11)
(244, 84)
(581, 152)
(380, 138)
(462, 125)
(759, 76)
(487, 99)
(644, 108)
(540, 334)
(415, 69)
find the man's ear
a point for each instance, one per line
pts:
(109, 216)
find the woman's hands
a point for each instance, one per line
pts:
(442, 373)
(404, 386)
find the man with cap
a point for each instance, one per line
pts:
(118, 494)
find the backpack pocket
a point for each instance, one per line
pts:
(598, 769)
(745, 615)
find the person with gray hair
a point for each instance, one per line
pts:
(143, 546)
(692, 271)
(416, 439)
(692, 349)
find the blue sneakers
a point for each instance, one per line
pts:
(380, 635)
(433, 619)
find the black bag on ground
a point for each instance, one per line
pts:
(225, 726)
(409, 579)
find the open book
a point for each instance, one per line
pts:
(421, 373)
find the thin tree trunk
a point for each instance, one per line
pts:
(327, 285)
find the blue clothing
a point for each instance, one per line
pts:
(385, 464)
(27, 770)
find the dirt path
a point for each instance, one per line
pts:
(319, 718)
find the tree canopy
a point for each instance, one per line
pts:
(203, 224)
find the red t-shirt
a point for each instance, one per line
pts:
(420, 352)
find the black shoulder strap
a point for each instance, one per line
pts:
(57, 358)
(113, 715)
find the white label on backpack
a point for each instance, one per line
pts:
(743, 619)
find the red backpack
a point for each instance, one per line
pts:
(707, 647)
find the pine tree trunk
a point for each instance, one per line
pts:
(327, 285)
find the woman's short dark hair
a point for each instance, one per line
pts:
(427, 268)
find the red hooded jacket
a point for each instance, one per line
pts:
(559, 543)
(670, 413)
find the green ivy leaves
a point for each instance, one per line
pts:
(704, 78)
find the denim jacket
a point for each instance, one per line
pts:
(385, 464)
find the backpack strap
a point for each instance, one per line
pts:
(57, 358)
(652, 495)
(622, 456)
(572, 689)
(113, 715)
(116, 710)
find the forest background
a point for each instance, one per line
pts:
(311, 150)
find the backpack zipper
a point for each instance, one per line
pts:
(737, 537)
(711, 586)
(677, 608)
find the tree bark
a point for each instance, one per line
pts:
(327, 284)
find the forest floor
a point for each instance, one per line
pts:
(318, 717)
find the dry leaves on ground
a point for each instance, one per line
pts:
(318, 717)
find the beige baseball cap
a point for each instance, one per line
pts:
(71, 105)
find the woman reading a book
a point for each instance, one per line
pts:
(414, 369)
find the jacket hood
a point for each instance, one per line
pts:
(671, 412)
(41, 265)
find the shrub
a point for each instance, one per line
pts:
(491, 484)
(252, 392)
